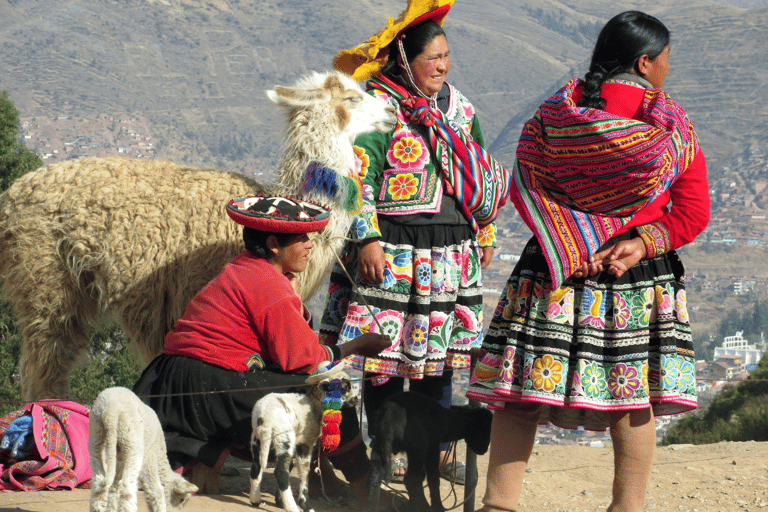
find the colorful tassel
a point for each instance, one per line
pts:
(331, 435)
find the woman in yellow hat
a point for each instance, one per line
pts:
(431, 195)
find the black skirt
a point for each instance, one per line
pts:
(205, 410)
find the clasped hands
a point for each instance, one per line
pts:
(617, 259)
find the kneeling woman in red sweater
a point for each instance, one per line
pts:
(245, 335)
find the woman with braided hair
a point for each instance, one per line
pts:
(431, 195)
(592, 329)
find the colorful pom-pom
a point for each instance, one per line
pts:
(330, 435)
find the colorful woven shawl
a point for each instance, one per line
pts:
(470, 173)
(582, 173)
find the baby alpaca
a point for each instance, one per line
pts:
(291, 424)
(127, 446)
(415, 424)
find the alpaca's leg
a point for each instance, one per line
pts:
(634, 441)
(304, 460)
(99, 486)
(513, 433)
(260, 456)
(154, 491)
(127, 479)
(53, 308)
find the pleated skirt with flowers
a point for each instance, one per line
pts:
(430, 302)
(592, 346)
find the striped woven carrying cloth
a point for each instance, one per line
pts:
(582, 173)
(470, 173)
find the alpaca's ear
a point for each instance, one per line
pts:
(292, 97)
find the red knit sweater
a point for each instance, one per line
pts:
(248, 308)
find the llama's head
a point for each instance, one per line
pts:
(336, 102)
(326, 112)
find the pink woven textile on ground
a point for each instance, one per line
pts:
(59, 458)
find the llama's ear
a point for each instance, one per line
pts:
(294, 97)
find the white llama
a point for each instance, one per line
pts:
(134, 239)
(127, 446)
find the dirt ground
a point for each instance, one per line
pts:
(719, 477)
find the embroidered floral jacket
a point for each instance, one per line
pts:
(399, 174)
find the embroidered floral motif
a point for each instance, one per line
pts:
(510, 365)
(623, 381)
(560, 307)
(668, 372)
(621, 312)
(403, 186)
(358, 229)
(415, 336)
(367, 193)
(593, 380)
(422, 274)
(391, 323)
(407, 150)
(467, 325)
(686, 373)
(547, 373)
(664, 303)
(486, 236)
(680, 307)
(365, 160)
(642, 307)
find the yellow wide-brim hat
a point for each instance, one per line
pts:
(366, 60)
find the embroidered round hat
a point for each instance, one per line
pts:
(276, 214)
(366, 60)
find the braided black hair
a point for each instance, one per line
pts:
(622, 41)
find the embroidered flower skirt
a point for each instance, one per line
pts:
(592, 346)
(430, 302)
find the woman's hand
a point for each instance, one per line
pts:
(486, 257)
(371, 262)
(617, 258)
(368, 345)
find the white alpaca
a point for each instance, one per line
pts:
(290, 424)
(134, 239)
(127, 446)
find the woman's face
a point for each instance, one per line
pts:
(656, 70)
(294, 256)
(430, 66)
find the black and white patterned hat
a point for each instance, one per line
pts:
(277, 214)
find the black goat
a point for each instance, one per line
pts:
(416, 424)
